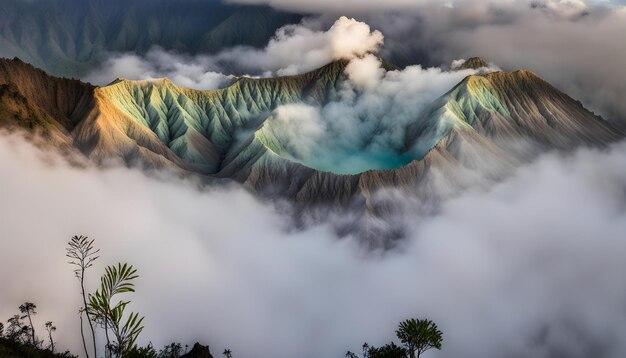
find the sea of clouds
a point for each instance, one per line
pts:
(531, 266)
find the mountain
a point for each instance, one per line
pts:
(68, 37)
(46, 105)
(505, 105)
(474, 63)
(223, 135)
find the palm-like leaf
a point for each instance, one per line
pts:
(131, 329)
(98, 306)
(116, 280)
(128, 332)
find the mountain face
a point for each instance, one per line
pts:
(67, 37)
(223, 134)
(48, 106)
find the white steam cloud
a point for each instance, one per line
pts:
(298, 48)
(294, 49)
(364, 127)
(570, 44)
(531, 267)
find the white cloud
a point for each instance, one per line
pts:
(187, 71)
(300, 48)
(300, 128)
(350, 38)
(294, 49)
(530, 267)
(365, 72)
(570, 44)
(364, 126)
(564, 8)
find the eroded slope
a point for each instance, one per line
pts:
(220, 134)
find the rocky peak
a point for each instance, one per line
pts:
(473, 63)
(198, 351)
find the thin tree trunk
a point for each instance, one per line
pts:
(51, 341)
(120, 346)
(93, 333)
(82, 334)
(106, 334)
(32, 329)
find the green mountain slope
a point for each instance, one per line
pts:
(200, 127)
(221, 134)
(505, 105)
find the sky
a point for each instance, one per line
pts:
(530, 265)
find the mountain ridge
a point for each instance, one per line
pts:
(217, 134)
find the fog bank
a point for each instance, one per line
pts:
(294, 49)
(530, 267)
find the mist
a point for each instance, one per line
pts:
(200, 72)
(531, 266)
(294, 49)
(365, 125)
(571, 44)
